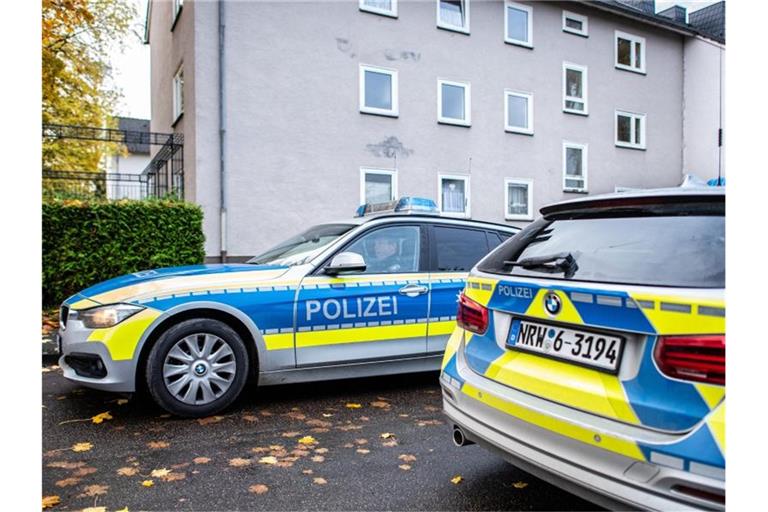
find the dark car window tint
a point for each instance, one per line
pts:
(459, 249)
(682, 251)
(494, 240)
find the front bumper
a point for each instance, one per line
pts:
(610, 479)
(73, 341)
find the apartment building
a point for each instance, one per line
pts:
(294, 113)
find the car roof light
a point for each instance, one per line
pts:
(403, 205)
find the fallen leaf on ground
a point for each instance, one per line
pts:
(127, 471)
(381, 405)
(276, 447)
(99, 418)
(387, 435)
(122, 401)
(50, 501)
(348, 445)
(158, 445)
(239, 462)
(296, 415)
(201, 460)
(84, 471)
(298, 452)
(284, 464)
(431, 408)
(268, 460)
(308, 440)
(159, 473)
(81, 447)
(353, 406)
(405, 467)
(209, 420)
(95, 509)
(327, 415)
(67, 482)
(307, 471)
(363, 451)
(318, 458)
(65, 465)
(321, 450)
(250, 418)
(407, 457)
(179, 466)
(173, 476)
(265, 413)
(260, 449)
(424, 423)
(361, 441)
(519, 485)
(124, 509)
(403, 415)
(45, 370)
(389, 444)
(347, 428)
(147, 483)
(258, 489)
(319, 423)
(457, 479)
(320, 481)
(290, 434)
(94, 490)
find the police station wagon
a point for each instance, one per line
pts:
(590, 350)
(371, 296)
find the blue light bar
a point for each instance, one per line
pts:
(403, 205)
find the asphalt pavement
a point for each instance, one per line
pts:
(364, 444)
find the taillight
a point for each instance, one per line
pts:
(472, 316)
(695, 358)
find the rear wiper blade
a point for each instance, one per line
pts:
(553, 263)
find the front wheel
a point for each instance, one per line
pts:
(197, 368)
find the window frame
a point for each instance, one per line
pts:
(177, 6)
(514, 129)
(395, 110)
(584, 32)
(520, 7)
(584, 167)
(177, 84)
(518, 181)
(632, 132)
(618, 34)
(392, 173)
(375, 10)
(467, 103)
(584, 87)
(467, 195)
(453, 28)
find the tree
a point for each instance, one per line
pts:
(78, 36)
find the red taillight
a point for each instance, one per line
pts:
(472, 316)
(696, 358)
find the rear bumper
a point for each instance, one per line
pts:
(604, 477)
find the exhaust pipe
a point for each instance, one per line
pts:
(459, 439)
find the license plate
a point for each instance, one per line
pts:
(596, 350)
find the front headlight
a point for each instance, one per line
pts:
(107, 316)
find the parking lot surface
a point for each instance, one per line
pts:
(367, 444)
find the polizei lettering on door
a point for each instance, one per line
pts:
(360, 307)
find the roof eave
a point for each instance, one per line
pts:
(644, 18)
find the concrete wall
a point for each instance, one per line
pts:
(704, 96)
(296, 139)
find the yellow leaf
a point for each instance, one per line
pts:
(457, 479)
(268, 460)
(101, 417)
(159, 473)
(405, 467)
(239, 462)
(353, 406)
(81, 447)
(307, 440)
(95, 509)
(122, 510)
(50, 501)
(519, 485)
(258, 489)
(387, 435)
(147, 483)
(320, 481)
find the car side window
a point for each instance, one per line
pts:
(458, 249)
(494, 240)
(389, 250)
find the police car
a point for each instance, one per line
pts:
(371, 296)
(590, 350)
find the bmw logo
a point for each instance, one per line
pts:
(199, 369)
(552, 303)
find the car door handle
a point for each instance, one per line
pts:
(413, 290)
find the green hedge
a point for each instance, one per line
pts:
(87, 242)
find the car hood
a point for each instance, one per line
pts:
(147, 284)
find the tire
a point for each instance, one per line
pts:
(197, 368)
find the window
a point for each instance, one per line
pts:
(377, 185)
(518, 23)
(388, 250)
(177, 5)
(575, 23)
(385, 7)
(378, 91)
(453, 15)
(518, 112)
(574, 89)
(630, 52)
(458, 249)
(574, 167)
(453, 195)
(630, 130)
(178, 94)
(453, 103)
(518, 199)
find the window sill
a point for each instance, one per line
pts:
(574, 32)
(518, 217)
(176, 121)
(454, 122)
(629, 146)
(584, 113)
(630, 69)
(382, 113)
(576, 190)
(451, 28)
(372, 10)
(521, 44)
(518, 131)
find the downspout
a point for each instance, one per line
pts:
(222, 133)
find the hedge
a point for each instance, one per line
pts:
(87, 242)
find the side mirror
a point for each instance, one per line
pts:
(345, 262)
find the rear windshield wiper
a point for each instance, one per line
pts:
(551, 264)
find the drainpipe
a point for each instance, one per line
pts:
(222, 133)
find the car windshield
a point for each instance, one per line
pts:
(300, 249)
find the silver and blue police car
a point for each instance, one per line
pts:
(590, 350)
(371, 296)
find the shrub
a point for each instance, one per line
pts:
(85, 242)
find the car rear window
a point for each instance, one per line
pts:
(678, 251)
